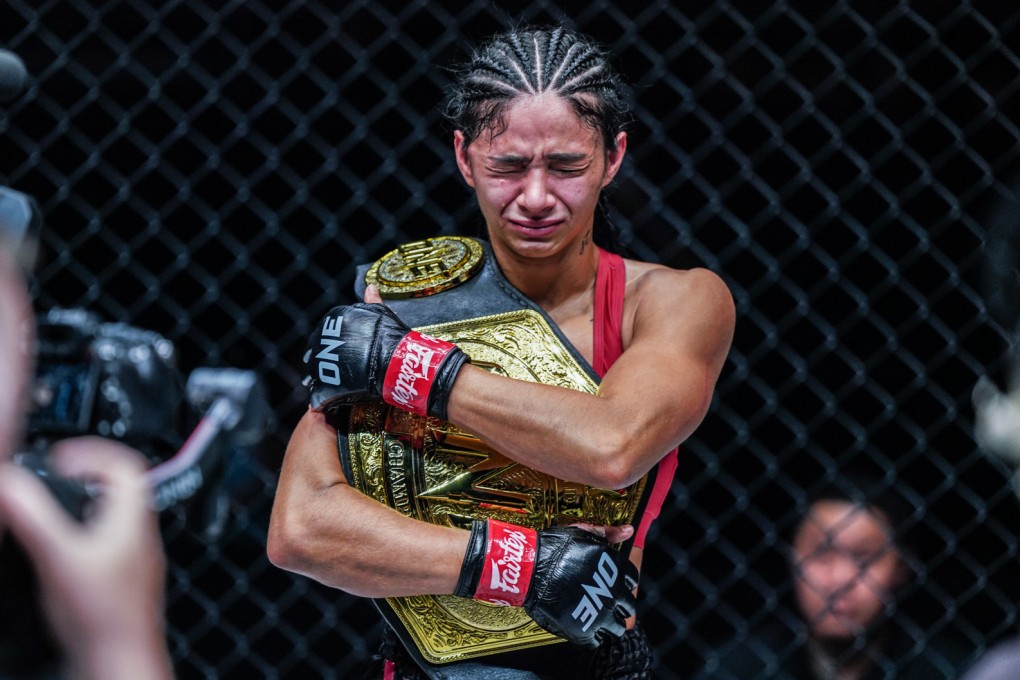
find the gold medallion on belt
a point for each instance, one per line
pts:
(426, 267)
(430, 470)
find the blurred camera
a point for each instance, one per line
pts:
(108, 379)
(96, 378)
(120, 382)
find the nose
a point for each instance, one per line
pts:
(535, 197)
(840, 577)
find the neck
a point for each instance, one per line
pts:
(843, 659)
(551, 281)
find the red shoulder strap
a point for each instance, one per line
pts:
(610, 285)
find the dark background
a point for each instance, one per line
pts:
(214, 171)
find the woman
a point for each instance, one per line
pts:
(538, 117)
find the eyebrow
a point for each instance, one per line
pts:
(508, 159)
(565, 157)
(559, 157)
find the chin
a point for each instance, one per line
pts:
(835, 630)
(534, 248)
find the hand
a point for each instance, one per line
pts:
(16, 342)
(101, 580)
(613, 535)
(569, 580)
(364, 351)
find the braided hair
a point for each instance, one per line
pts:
(531, 61)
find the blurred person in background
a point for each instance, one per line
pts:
(850, 565)
(997, 399)
(1002, 662)
(997, 411)
(998, 433)
(100, 580)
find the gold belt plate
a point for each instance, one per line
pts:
(429, 469)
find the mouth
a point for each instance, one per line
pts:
(844, 612)
(535, 225)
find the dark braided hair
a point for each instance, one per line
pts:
(530, 61)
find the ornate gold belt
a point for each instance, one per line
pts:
(432, 471)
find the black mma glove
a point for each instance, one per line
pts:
(364, 351)
(569, 580)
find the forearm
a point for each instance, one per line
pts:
(607, 441)
(372, 551)
(325, 529)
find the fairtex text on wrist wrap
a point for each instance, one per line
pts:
(420, 374)
(499, 563)
(570, 581)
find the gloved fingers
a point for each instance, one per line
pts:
(616, 626)
(631, 575)
(320, 400)
(625, 608)
(612, 534)
(372, 297)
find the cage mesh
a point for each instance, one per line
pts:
(215, 170)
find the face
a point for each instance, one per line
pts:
(846, 569)
(538, 181)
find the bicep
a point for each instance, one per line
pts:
(310, 474)
(312, 455)
(681, 335)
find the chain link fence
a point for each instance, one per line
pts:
(214, 170)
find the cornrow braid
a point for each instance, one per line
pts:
(532, 61)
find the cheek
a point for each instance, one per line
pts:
(15, 361)
(810, 597)
(578, 198)
(497, 194)
(581, 193)
(881, 581)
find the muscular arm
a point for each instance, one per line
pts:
(324, 529)
(653, 397)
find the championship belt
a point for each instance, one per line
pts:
(430, 470)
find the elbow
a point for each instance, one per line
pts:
(293, 548)
(287, 545)
(624, 456)
(616, 467)
(280, 548)
(618, 477)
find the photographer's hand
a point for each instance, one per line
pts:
(101, 581)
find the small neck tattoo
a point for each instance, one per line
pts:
(585, 242)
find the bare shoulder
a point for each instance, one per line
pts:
(693, 303)
(648, 281)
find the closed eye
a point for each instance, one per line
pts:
(570, 170)
(506, 165)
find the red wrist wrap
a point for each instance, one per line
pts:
(411, 371)
(509, 563)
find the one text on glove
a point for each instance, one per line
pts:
(604, 576)
(329, 369)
